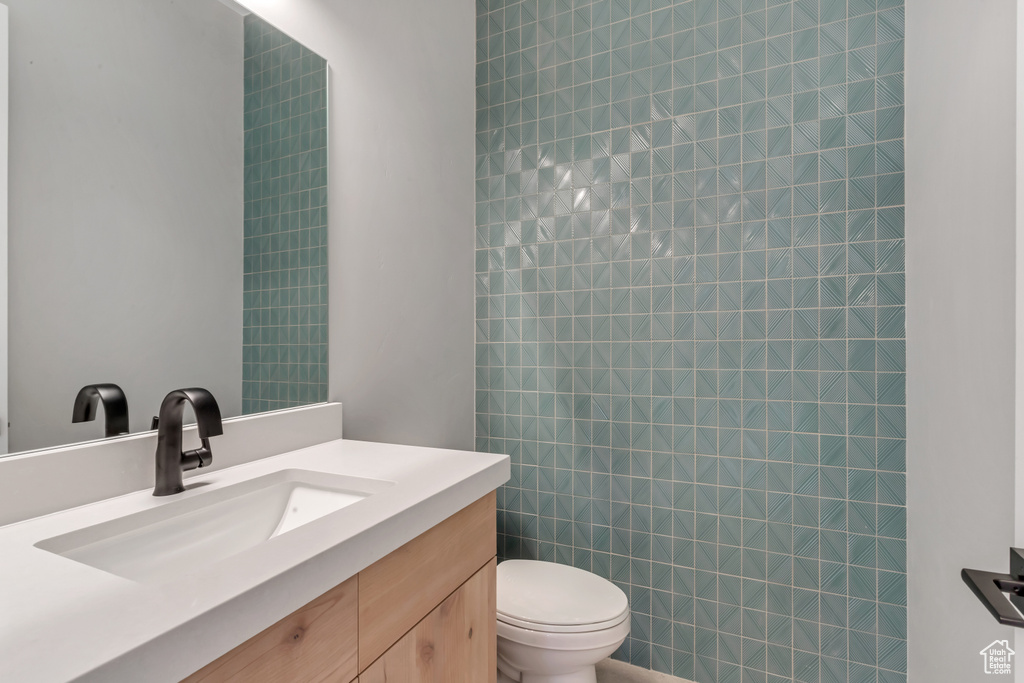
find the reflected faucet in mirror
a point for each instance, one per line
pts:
(115, 407)
(171, 461)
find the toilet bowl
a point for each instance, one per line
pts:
(556, 622)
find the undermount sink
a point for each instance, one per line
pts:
(187, 535)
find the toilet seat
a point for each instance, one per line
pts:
(563, 628)
(556, 598)
(567, 641)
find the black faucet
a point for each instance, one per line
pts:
(115, 407)
(170, 460)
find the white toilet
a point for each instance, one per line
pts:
(556, 622)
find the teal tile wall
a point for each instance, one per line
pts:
(284, 360)
(690, 320)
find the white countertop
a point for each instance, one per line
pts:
(65, 621)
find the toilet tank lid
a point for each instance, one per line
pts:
(549, 593)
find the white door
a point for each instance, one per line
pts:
(4, 71)
(1019, 369)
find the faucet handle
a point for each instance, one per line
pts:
(200, 457)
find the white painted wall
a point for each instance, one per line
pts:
(401, 233)
(125, 207)
(960, 129)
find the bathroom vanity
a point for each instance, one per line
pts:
(341, 561)
(425, 612)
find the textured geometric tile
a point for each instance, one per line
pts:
(761, 96)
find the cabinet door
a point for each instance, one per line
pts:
(316, 643)
(455, 643)
(399, 590)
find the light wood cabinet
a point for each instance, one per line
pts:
(455, 643)
(423, 614)
(403, 587)
(315, 643)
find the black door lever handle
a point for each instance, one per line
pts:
(1001, 594)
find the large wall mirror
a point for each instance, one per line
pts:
(167, 211)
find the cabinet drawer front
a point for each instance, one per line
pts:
(315, 643)
(396, 592)
(455, 643)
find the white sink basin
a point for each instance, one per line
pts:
(187, 535)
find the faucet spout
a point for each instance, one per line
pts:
(170, 460)
(115, 407)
